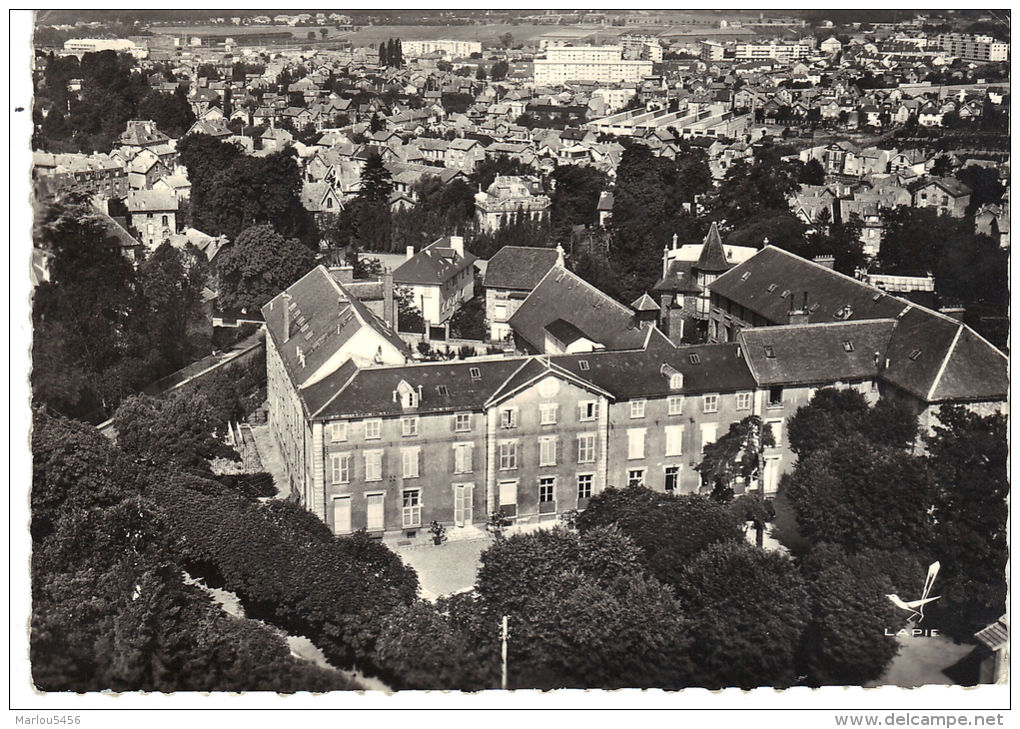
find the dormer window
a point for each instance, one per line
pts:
(848, 345)
(676, 381)
(407, 396)
(770, 352)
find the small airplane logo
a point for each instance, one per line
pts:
(916, 607)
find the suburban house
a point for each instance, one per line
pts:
(142, 134)
(509, 200)
(510, 276)
(439, 277)
(947, 195)
(153, 214)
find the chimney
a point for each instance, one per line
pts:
(798, 316)
(286, 316)
(559, 255)
(342, 274)
(457, 244)
(410, 253)
(828, 261)
(387, 293)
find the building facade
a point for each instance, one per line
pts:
(511, 199)
(603, 64)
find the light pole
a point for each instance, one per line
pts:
(505, 636)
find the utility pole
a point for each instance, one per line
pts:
(505, 636)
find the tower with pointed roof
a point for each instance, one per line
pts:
(711, 264)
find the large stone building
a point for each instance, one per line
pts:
(511, 199)
(373, 442)
(450, 48)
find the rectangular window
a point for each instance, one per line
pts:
(462, 453)
(674, 440)
(546, 489)
(711, 403)
(586, 448)
(636, 443)
(589, 410)
(373, 465)
(547, 451)
(340, 468)
(776, 426)
(548, 413)
(462, 422)
(409, 426)
(672, 478)
(776, 397)
(743, 401)
(637, 408)
(636, 477)
(676, 404)
(708, 434)
(508, 418)
(410, 457)
(373, 429)
(338, 432)
(411, 508)
(584, 486)
(507, 455)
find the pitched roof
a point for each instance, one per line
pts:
(678, 279)
(519, 267)
(151, 200)
(644, 303)
(322, 318)
(816, 353)
(758, 285)
(435, 264)
(713, 256)
(564, 295)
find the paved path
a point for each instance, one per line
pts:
(300, 647)
(921, 661)
(271, 458)
(445, 569)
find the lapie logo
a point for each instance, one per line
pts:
(916, 607)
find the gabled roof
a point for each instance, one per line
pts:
(678, 279)
(434, 264)
(534, 369)
(564, 295)
(832, 296)
(519, 267)
(322, 318)
(816, 353)
(151, 201)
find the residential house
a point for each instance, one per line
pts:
(510, 276)
(946, 194)
(440, 277)
(153, 214)
(511, 199)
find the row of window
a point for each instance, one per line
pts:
(587, 411)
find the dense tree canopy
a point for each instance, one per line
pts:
(259, 265)
(752, 602)
(669, 530)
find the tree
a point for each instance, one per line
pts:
(840, 239)
(260, 264)
(480, 73)
(835, 414)
(499, 70)
(752, 601)
(984, 184)
(375, 124)
(575, 197)
(376, 181)
(177, 431)
(736, 457)
(409, 316)
(812, 173)
(844, 494)
(846, 642)
(506, 39)
(383, 57)
(669, 530)
(942, 166)
(967, 455)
